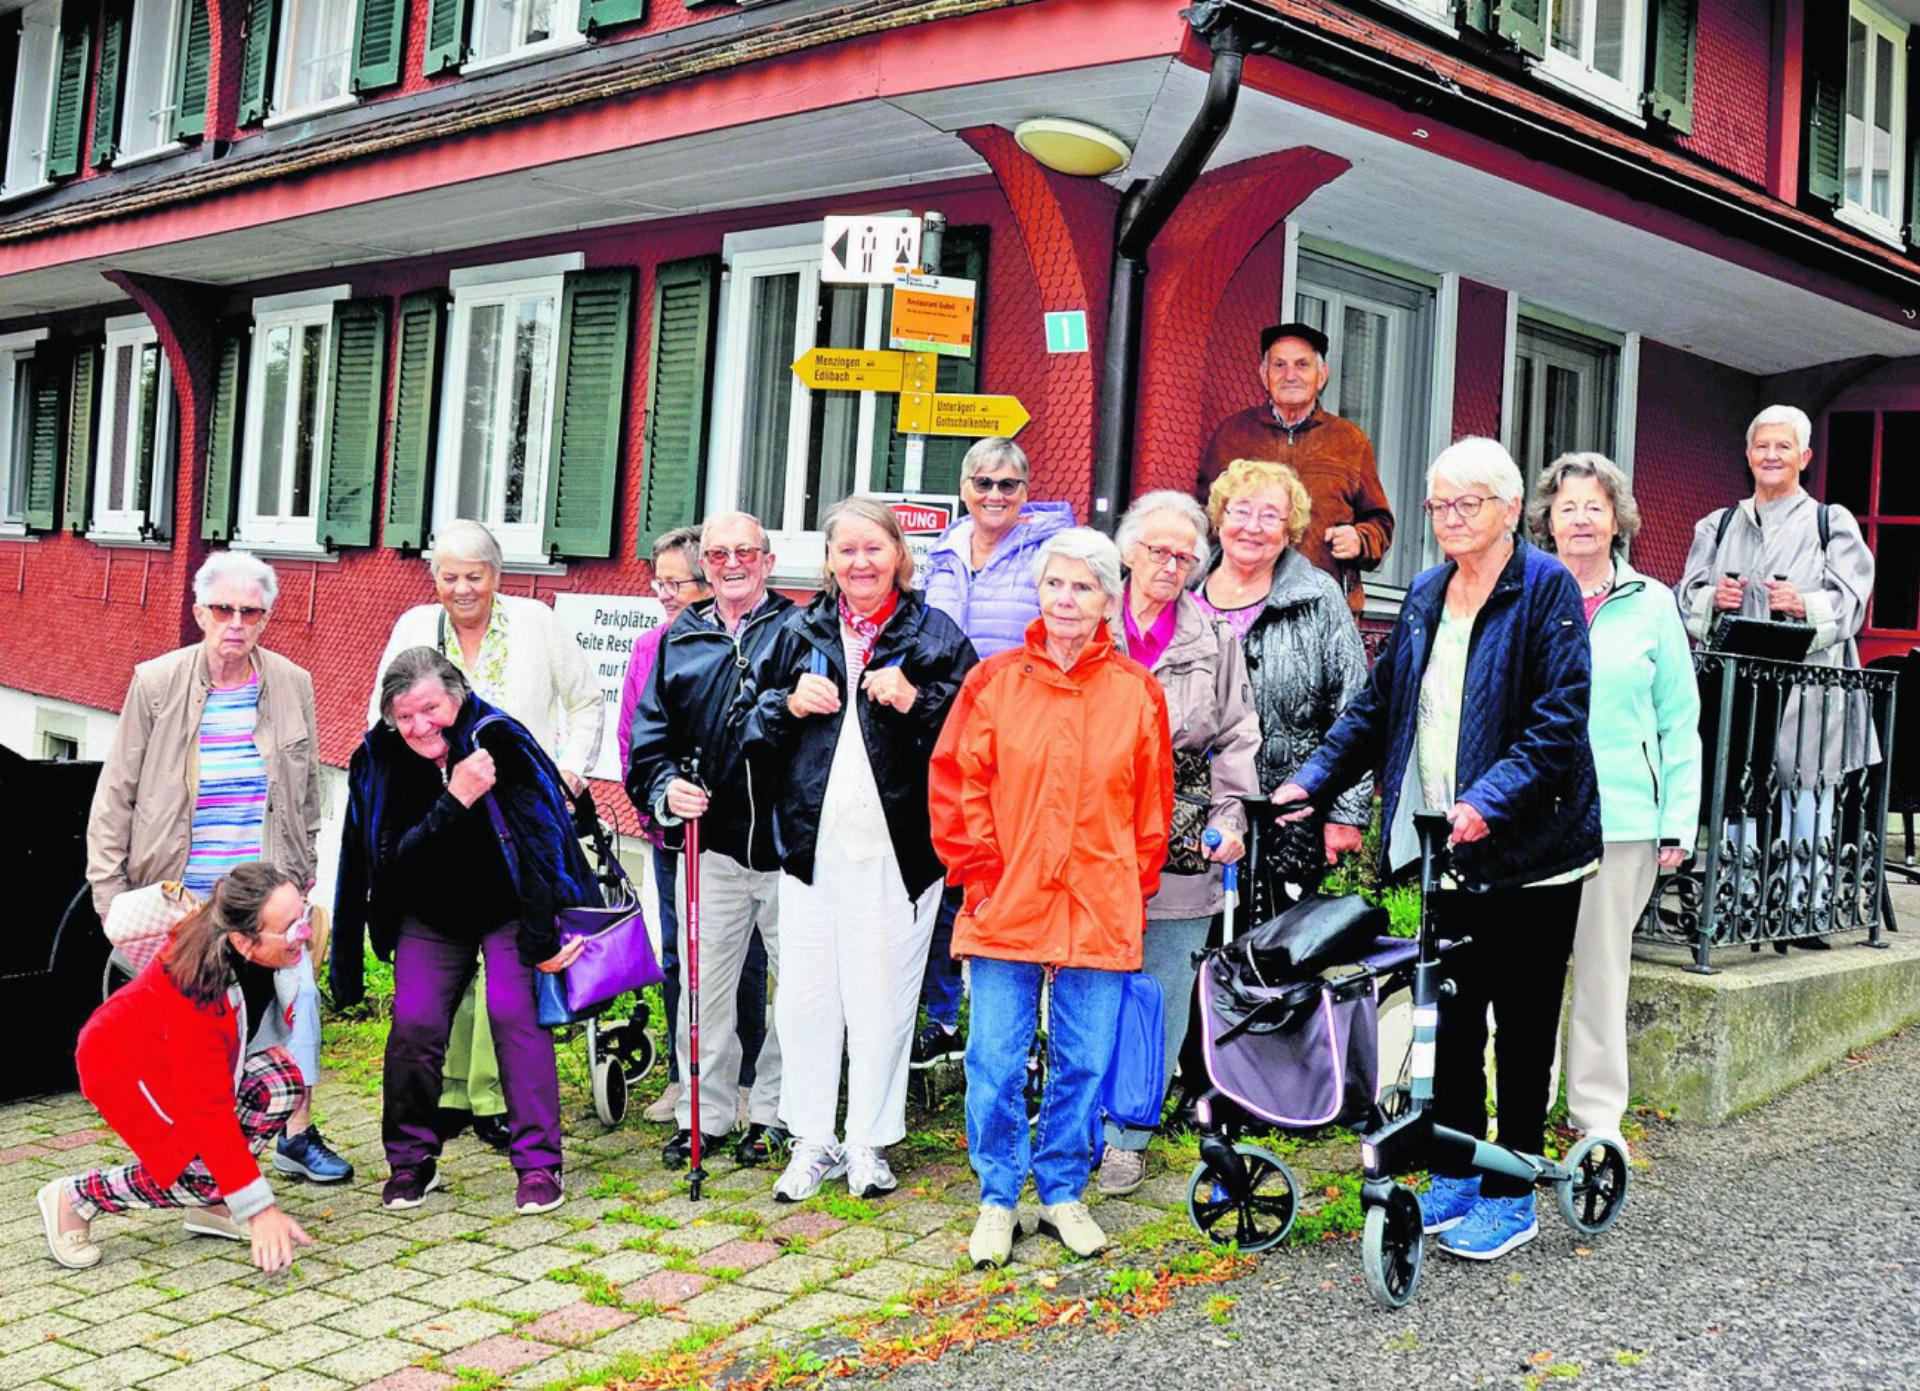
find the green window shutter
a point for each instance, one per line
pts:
(378, 34)
(355, 404)
(686, 297)
(446, 36)
(416, 393)
(192, 54)
(1912, 230)
(81, 398)
(1522, 23)
(223, 435)
(596, 315)
(1826, 105)
(1672, 31)
(106, 102)
(604, 14)
(68, 111)
(964, 254)
(256, 60)
(46, 431)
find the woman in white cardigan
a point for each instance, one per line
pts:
(518, 659)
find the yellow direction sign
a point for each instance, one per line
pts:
(850, 369)
(926, 414)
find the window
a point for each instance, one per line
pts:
(1869, 471)
(508, 28)
(783, 452)
(16, 422)
(285, 424)
(1565, 395)
(60, 748)
(1599, 47)
(133, 456)
(153, 47)
(1875, 122)
(30, 109)
(316, 53)
(1379, 331)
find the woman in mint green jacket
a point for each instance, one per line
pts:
(1645, 730)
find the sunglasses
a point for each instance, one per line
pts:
(720, 555)
(299, 931)
(247, 613)
(1007, 486)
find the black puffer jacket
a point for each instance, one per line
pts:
(690, 703)
(797, 754)
(1306, 663)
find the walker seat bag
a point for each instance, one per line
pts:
(1135, 1085)
(1315, 933)
(1302, 1053)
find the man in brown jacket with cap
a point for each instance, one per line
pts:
(1352, 521)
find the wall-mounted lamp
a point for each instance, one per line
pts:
(1072, 147)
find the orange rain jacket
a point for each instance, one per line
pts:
(1051, 796)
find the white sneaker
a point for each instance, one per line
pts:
(1074, 1226)
(991, 1244)
(867, 1173)
(811, 1166)
(661, 1112)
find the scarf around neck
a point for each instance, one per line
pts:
(867, 629)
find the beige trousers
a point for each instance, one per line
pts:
(1596, 1056)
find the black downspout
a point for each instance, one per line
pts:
(1144, 212)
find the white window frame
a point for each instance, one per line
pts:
(1881, 25)
(1438, 13)
(1603, 341)
(15, 349)
(109, 520)
(143, 66)
(566, 34)
(287, 60)
(1623, 93)
(39, 30)
(296, 311)
(521, 542)
(749, 256)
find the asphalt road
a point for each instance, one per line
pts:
(1782, 1250)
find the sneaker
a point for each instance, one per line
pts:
(934, 1045)
(678, 1151)
(1494, 1227)
(991, 1245)
(761, 1144)
(811, 1166)
(661, 1112)
(311, 1158)
(1121, 1171)
(73, 1249)
(496, 1132)
(220, 1224)
(1447, 1201)
(1074, 1226)
(867, 1173)
(540, 1191)
(409, 1187)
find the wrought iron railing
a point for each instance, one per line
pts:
(1793, 819)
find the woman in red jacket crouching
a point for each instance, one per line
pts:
(161, 1060)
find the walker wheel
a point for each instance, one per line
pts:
(609, 1090)
(641, 1058)
(1391, 1248)
(1595, 1189)
(1261, 1219)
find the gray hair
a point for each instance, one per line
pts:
(994, 452)
(1626, 512)
(1784, 415)
(1477, 460)
(1093, 549)
(706, 527)
(686, 540)
(413, 666)
(239, 567)
(1182, 505)
(465, 539)
(862, 508)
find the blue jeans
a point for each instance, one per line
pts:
(752, 995)
(1167, 952)
(1080, 1031)
(940, 987)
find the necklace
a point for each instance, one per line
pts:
(1598, 589)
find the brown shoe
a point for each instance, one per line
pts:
(1121, 1172)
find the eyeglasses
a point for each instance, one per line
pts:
(720, 555)
(246, 613)
(299, 931)
(1158, 556)
(666, 589)
(1468, 505)
(1007, 486)
(1266, 518)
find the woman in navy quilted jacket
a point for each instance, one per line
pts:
(1477, 708)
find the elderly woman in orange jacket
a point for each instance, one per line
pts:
(1051, 793)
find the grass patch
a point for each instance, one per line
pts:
(1338, 1217)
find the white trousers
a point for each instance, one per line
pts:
(1610, 904)
(733, 901)
(853, 949)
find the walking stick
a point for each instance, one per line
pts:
(696, 1175)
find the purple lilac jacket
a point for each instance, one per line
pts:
(994, 606)
(646, 651)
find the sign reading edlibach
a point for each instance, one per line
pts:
(605, 626)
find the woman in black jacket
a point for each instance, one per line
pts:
(860, 884)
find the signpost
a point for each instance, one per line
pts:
(932, 314)
(962, 415)
(850, 369)
(869, 250)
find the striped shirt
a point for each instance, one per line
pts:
(230, 813)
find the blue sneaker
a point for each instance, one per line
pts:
(308, 1156)
(1494, 1227)
(1447, 1202)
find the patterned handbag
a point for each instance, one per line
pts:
(139, 921)
(1192, 804)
